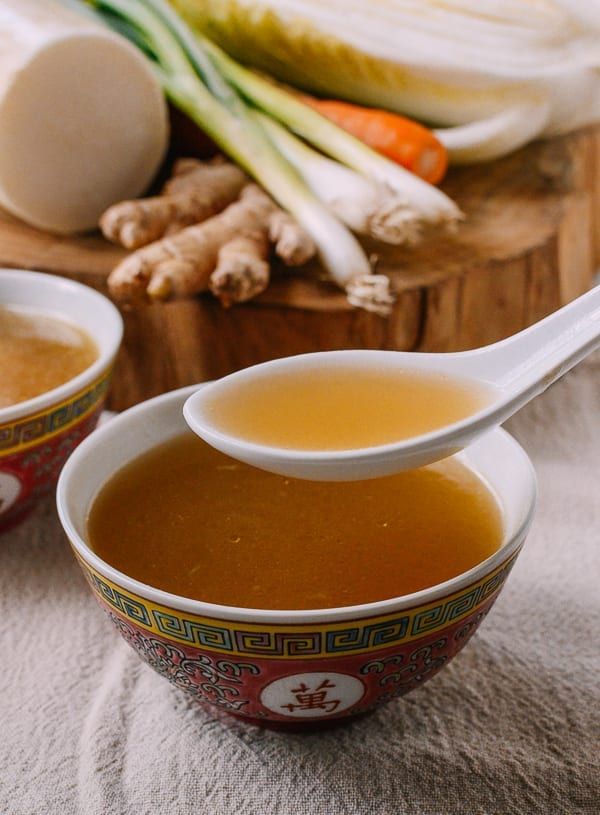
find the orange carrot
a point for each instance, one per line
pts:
(400, 139)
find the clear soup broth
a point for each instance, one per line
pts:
(341, 408)
(187, 519)
(39, 352)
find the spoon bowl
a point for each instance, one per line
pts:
(507, 374)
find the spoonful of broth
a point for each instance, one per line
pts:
(348, 415)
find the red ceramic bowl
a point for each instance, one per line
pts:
(37, 436)
(289, 667)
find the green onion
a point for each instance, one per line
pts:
(195, 85)
(431, 204)
(366, 206)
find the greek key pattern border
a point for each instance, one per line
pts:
(297, 641)
(30, 430)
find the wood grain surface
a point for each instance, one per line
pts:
(530, 243)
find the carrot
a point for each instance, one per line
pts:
(400, 139)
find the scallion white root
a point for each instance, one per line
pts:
(366, 206)
(371, 293)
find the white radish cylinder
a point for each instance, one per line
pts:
(83, 120)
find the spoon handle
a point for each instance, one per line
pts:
(530, 361)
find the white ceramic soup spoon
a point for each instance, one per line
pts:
(510, 372)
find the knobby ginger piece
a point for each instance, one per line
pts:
(293, 245)
(233, 245)
(197, 191)
(242, 269)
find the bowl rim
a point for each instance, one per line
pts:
(294, 617)
(25, 278)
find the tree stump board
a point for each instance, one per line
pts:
(529, 244)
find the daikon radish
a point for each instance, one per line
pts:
(83, 121)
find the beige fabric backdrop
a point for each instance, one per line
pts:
(512, 726)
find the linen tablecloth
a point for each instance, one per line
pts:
(511, 726)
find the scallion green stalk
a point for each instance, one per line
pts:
(432, 205)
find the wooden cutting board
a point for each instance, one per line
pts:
(530, 243)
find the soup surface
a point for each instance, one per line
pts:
(39, 353)
(340, 408)
(185, 518)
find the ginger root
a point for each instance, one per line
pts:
(228, 253)
(242, 269)
(196, 191)
(293, 245)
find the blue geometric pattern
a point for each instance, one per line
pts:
(190, 631)
(350, 639)
(457, 607)
(278, 642)
(131, 608)
(30, 428)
